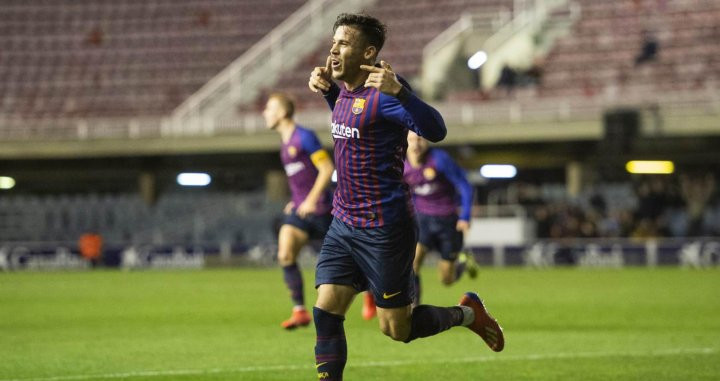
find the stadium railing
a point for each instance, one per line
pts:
(704, 104)
(240, 81)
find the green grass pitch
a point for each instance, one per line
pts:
(560, 324)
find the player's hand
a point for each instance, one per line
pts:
(382, 78)
(321, 77)
(289, 207)
(306, 208)
(462, 226)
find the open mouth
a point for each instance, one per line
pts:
(335, 63)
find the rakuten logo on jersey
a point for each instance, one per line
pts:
(341, 131)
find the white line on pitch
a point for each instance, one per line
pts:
(266, 368)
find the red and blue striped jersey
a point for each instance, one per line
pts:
(370, 129)
(436, 184)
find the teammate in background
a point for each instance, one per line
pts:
(371, 241)
(307, 216)
(436, 181)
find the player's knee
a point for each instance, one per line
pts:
(447, 280)
(397, 332)
(285, 258)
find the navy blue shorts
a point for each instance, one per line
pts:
(375, 259)
(440, 233)
(315, 225)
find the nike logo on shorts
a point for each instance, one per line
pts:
(388, 296)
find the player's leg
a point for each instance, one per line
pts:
(447, 271)
(420, 252)
(450, 266)
(338, 280)
(329, 315)
(369, 309)
(426, 241)
(407, 324)
(385, 256)
(290, 241)
(403, 322)
(335, 298)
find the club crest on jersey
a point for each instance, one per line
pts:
(358, 106)
(292, 151)
(429, 173)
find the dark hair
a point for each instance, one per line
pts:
(372, 29)
(286, 103)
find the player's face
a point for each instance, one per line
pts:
(273, 113)
(417, 146)
(348, 52)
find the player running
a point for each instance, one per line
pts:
(436, 182)
(371, 241)
(307, 215)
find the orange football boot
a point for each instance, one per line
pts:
(484, 324)
(299, 318)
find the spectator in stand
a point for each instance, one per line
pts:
(90, 245)
(697, 192)
(645, 229)
(543, 222)
(508, 79)
(649, 50)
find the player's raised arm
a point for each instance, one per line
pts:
(457, 177)
(324, 164)
(411, 110)
(321, 80)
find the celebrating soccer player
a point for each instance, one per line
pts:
(307, 215)
(436, 181)
(371, 240)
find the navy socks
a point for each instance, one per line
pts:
(294, 282)
(459, 269)
(416, 280)
(431, 320)
(330, 346)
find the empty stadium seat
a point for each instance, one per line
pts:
(130, 58)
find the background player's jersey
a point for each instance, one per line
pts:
(370, 133)
(296, 156)
(436, 185)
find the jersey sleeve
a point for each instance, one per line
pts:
(311, 145)
(415, 115)
(309, 141)
(332, 95)
(447, 166)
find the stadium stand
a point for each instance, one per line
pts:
(245, 218)
(89, 59)
(603, 50)
(83, 59)
(602, 55)
(130, 58)
(676, 206)
(407, 37)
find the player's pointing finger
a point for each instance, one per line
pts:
(328, 64)
(371, 69)
(386, 66)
